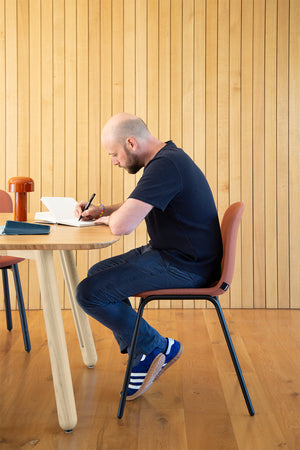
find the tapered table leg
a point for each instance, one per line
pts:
(59, 359)
(81, 320)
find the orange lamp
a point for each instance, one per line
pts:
(20, 186)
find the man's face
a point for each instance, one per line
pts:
(125, 158)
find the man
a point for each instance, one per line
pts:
(185, 247)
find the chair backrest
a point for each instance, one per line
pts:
(229, 230)
(6, 204)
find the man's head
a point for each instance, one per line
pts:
(124, 136)
(123, 126)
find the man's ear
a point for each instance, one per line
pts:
(131, 143)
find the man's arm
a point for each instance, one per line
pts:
(127, 217)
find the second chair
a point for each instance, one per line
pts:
(11, 262)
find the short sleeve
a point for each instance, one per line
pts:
(159, 184)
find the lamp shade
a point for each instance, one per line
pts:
(20, 184)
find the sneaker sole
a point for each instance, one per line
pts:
(151, 376)
(176, 357)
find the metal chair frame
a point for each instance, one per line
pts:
(216, 303)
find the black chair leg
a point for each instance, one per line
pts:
(22, 312)
(234, 358)
(130, 358)
(6, 299)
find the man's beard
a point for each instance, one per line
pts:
(133, 164)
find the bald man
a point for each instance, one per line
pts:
(185, 247)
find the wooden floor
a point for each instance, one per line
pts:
(197, 404)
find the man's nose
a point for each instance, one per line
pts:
(115, 161)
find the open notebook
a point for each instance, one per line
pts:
(61, 211)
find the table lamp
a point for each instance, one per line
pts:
(20, 186)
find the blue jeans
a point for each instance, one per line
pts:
(104, 294)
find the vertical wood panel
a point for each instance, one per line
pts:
(23, 88)
(70, 99)
(117, 98)
(129, 90)
(219, 77)
(152, 66)
(129, 96)
(200, 83)
(246, 152)
(270, 158)
(200, 92)
(258, 154)
(283, 154)
(188, 89)
(106, 104)
(35, 83)
(93, 178)
(141, 85)
(164, 70)
(35, 132)
(11, 90)
(70, 12)
(2, 94)
(235, 135)
(11, 76)
(176, 89)
(211, 94)
(60, 150)
(223, 104)
(294, 155)
(188, 77)
(59, 97)
(82, 115)
(47, 97)
(153, 78)
(164, 100)
(23, 108)
(223, 113)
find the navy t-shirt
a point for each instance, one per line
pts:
(183, 223)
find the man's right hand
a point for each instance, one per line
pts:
(90, 214)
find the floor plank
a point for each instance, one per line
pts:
(197, 404)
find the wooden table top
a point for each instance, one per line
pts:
(61, 237)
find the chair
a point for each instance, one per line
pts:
(11, 262)
(229, 230)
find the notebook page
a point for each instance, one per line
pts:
(62, 208)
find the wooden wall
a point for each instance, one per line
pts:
(219, 77)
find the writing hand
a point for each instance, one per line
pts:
(90, 214)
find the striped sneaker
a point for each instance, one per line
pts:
(173, 352)
(144, 373)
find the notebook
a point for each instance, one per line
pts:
(61, 211)
(13, 227)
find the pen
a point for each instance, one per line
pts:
(87, 205)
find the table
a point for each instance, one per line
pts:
(63, 239)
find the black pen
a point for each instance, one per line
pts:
(87, 205)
